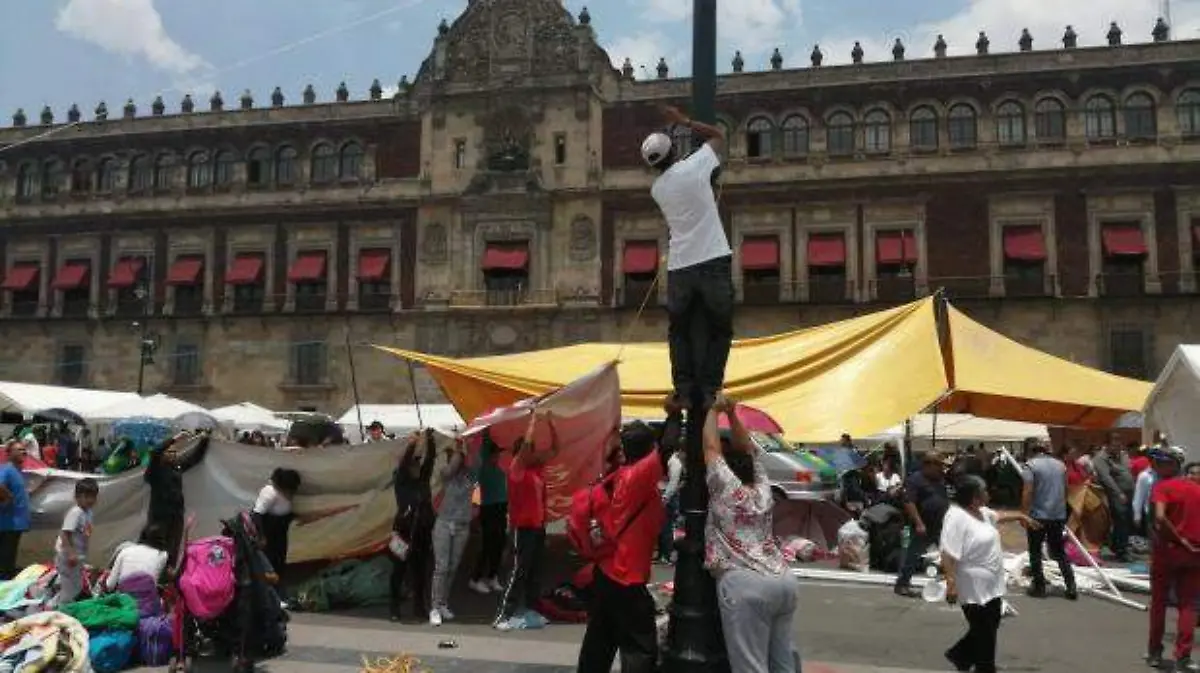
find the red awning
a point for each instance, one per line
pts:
(760, 253)
(245, 270)
(185, 271)
(20, 277)
(1024, 244)
(895, 247)
(373, 265)
(1123, 240)
(308, 267)
(72, 276)
(640, 257)
(506, 257)
(125, 273)
(826, 250)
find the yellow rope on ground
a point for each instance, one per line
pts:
(402, 663)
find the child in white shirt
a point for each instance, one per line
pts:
(71, 548)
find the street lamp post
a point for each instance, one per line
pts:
(695, 641)
(147, 340)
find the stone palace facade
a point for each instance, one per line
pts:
(498, 203)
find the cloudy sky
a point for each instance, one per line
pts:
(57, 52)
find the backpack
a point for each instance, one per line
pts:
(154, 636)
(588, 521)
(111, 651)
(207, 584)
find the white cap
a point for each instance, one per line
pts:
(656, 147)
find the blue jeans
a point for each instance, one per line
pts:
(666, 538)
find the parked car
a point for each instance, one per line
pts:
(796, 474)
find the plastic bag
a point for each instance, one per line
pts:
(800, 549)
(854, 547)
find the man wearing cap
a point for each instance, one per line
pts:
(1044, 499)
(1176, 559)
(925, 504)
(699, 259)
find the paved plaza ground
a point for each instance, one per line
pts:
(840, 629)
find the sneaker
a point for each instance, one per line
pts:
(958, 665)
(495, 585)
(480, 587)
(1184, 665)
(447, 616)
(907, 592)
(1036, 591)
(435, 618)
(1154, 659)
(1071, 595)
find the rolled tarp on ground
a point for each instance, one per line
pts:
(812, 381)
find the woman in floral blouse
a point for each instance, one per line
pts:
(756, 589)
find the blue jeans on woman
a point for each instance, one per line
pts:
(666, 538)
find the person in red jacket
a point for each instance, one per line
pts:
(1176, 559)
(621, 611)
(527, 518)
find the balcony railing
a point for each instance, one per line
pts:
(825, 290)
(633, 293)
(75, 306)
(310, 302)
(1029, 285)
(512, 297)
(189, 302)
(374, 301)
(24, 304)
(1124, 284)
(894, 289)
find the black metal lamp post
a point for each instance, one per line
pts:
(147, 340)
(694, 641)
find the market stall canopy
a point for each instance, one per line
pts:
(995, 377)
(29, 398)
(249, 416)
(967, 428)
(162, 407)
(1172, 406)
(858, 376)
(400, 419)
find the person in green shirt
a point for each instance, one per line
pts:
(493, 517)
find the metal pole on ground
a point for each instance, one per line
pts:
(694, 641)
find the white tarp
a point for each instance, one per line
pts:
(967, 428)
(31, 397)
(162, 407)
(400, 419)
(246, 416)
(1173, 406)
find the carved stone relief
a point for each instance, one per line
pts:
(508, 137)
(583, 239)
(510, 37)
(434, 246)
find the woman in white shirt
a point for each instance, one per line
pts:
(973, 562)
(273, 514)
(887, 479)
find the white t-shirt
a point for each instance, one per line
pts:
(272, 503)
(685, 196)
(886, 483)
(77, 522)
(975, 545)
(136, 559)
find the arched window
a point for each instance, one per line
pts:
(1100, 118)
(164, 172)
(81, 176)
(1187, 111)
(877, 132)
(258, 167)
(350, 167)
(52, 177)
(324, 163)
(223, 168)
(1140, 117)
(199, 170)
(1010, 124)
(961, 127)
(26, 179)
(839, 134)
(141, 174)
(1050, 121)
(759, 134)
(795, 136)
(285, 165)
(923, 129)
(106, 175)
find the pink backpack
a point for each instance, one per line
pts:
(207, 584)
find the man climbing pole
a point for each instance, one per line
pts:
(699, 260)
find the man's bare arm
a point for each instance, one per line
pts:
(711, 134)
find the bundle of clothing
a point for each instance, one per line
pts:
(48, 642)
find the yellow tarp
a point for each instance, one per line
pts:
(996, 377)
(858, 376)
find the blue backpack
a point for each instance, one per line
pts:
(111, 651)
(154, 640)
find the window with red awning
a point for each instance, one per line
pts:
(760, 253)
(1123, 240)
(827, 250)
(506, 257)
(124, 273)
(309, 267)
(1024, 244)
(246, 269)
(641, 257)
(373, 264)
(21, 277)
(72, 276)
(185, 270)
(895, 247)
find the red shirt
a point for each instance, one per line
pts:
(1182, 499)
(1077, 475)
(635, 518)
(526, 495)
(1139, 465)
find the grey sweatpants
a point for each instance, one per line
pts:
(449, 543)
(756, 614)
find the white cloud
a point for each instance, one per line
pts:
(644, 50)
(133, 29)
(754, 26)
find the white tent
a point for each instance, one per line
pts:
(28, 398)
(952, 430)
(248, 416)
(400, 419)
(163, 407)
(1173, 406)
